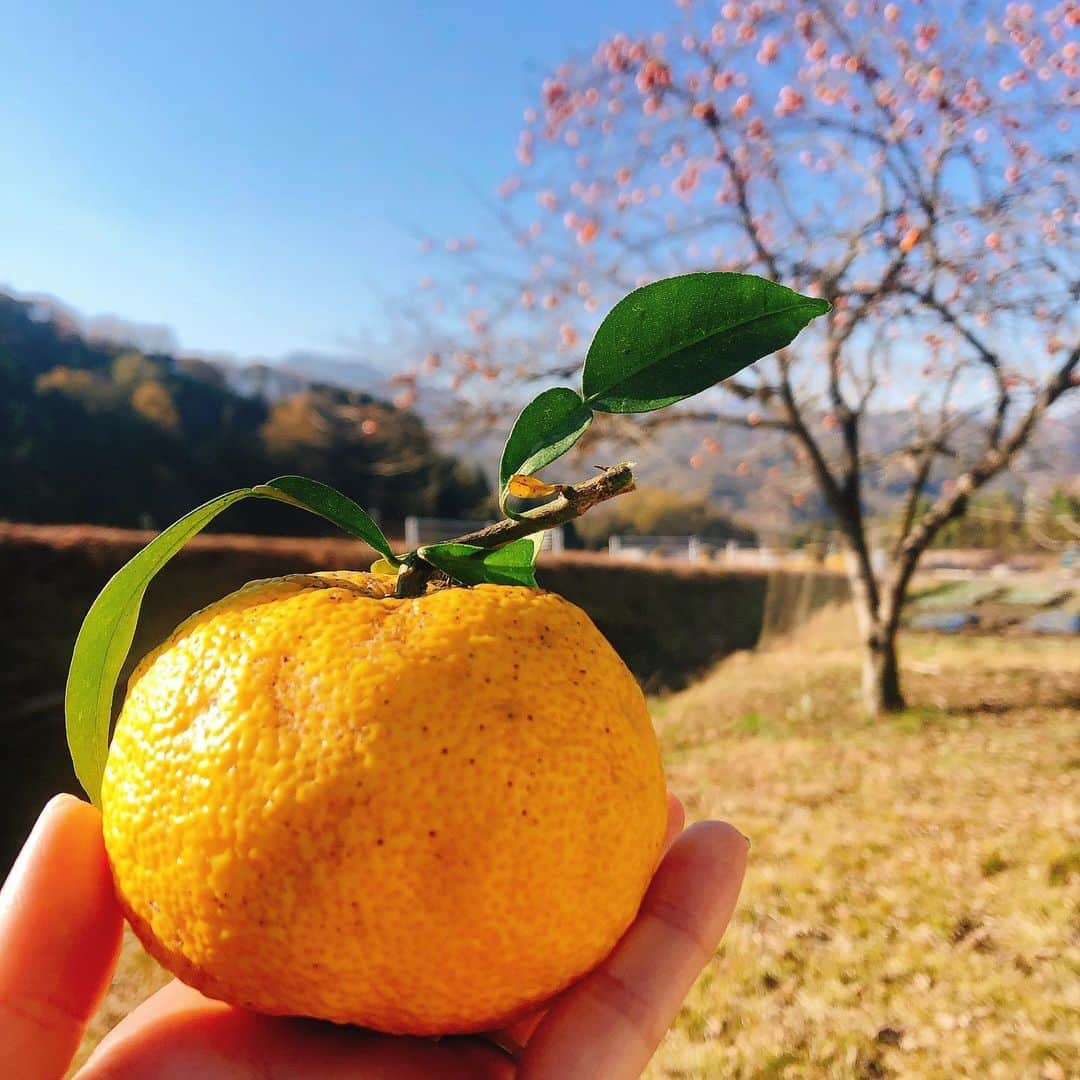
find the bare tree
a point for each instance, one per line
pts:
(911, 162)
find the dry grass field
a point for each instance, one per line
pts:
(912, 907)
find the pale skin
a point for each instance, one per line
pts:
(60, 933)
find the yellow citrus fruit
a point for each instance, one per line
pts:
(422, 816)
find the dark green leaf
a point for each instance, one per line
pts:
(332, 505)
(548, 426)
(674, 338)
(105, 637)
(472, 565)
(107, 631)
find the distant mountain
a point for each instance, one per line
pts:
(95, 430)
(298, 371)
(750, 476)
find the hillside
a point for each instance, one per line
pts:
(99, 432)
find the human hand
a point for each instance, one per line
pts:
(60, 932)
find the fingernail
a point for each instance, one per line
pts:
(744, 836)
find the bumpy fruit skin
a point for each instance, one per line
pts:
(421, 816)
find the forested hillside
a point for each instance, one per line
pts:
(99, 433)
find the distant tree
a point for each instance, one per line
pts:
(912, 162)
(132, 368)
(153, 402)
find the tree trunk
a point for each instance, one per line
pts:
(877, 633)
(881, 674)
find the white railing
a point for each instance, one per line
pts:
(697, 548)
(664, 547)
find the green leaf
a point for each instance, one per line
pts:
(332, 505)
(105, 638)
(109, 627)
(548, 426)
(676, 337)
(511, 564)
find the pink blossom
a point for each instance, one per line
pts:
(788, 101)
(587, 232)
(925, 35)
(554, 91)
(655, 75)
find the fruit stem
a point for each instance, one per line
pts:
(571, 502)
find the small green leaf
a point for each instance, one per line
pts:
(548, 426)
(674, 338)
(332, 505)
(511, 564)
(109, 627)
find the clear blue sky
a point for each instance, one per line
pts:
(248, 173)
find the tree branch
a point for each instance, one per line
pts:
(690, 416)
(952, 504)
(571, 502)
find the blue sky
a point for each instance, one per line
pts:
(251, 173)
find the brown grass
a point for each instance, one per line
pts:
(911, 905)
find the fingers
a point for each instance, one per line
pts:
(60, 929)
(610, 1023)
(178, 1034)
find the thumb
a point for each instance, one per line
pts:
(60, 928)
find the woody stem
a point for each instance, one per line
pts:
(571, 502)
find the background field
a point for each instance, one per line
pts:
(911, 908)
